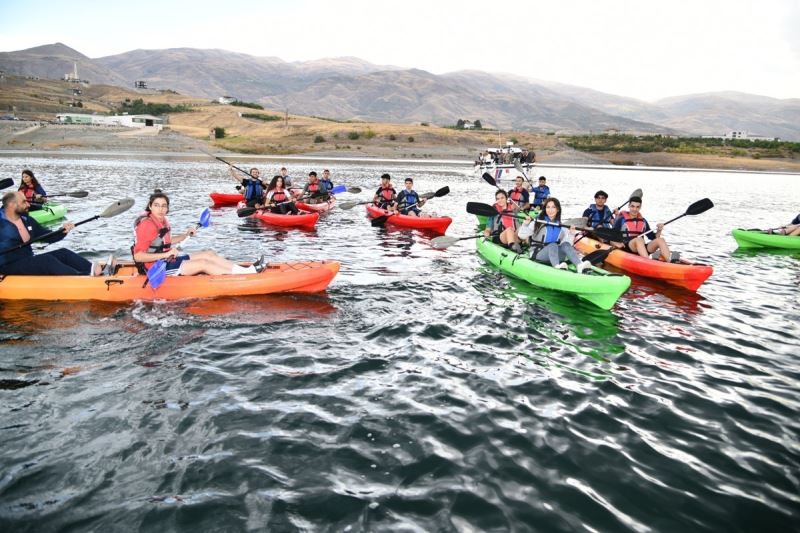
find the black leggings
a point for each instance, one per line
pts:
(61, 262)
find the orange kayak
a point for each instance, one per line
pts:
(127, 284)
(684, 274)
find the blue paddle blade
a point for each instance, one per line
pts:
(157, 273)
(205, 218)
(338, 189)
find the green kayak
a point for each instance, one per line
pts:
(50, 212)
(598, 286)
(753, 238)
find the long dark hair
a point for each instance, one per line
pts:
(543, 212)
(155, 196)
(34, 181)
(274, 182)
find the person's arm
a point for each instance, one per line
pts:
(377, 198)
(37, 230)
(146, 234)
(234, 175)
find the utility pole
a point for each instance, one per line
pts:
(286, 120)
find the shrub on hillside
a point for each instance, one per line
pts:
(353, 135)
(262, 116)
(410, 139)
(219, 133)
(251, 105)
(319, 139)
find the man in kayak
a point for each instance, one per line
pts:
(314, 191)
(154, 241)
(286, 179)
(519, 195)
(551, 243)
(253, 187)
(598, 214)
(502, 227)
(793, 228)
(541, 192)
(16, 228)
(408, 201)
(633, 225)
(385, 195)
(326, 179)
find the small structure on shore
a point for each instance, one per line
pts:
(226, 100)
(128, 121)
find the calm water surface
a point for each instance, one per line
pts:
(424, 391)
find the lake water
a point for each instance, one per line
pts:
(424, 391)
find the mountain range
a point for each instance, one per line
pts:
(349, 88)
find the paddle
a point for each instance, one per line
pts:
(120, 206)
(519, 169)
(227, 163)
(700, 206)
(6, 183)
(489, 179)
(74, 194)
(156, 274)
(381, 220)
(427, 196)
(204, 222)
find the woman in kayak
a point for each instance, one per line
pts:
(154, 241)
(551, 243)
(32, 189)
(502, 227)
(278, 200)
(632, 225)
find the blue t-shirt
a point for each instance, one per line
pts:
(540, 194)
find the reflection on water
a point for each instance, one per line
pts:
(425, 391)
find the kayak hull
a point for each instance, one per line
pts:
(303, 220)
(127, 284)
(221, 199)
(600, 288)
(50, 212)
(684, 274)
(317, 208)
(759, 239)
(435, 224)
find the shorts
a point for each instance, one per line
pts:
(174, 266)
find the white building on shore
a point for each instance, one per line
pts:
(128, 121)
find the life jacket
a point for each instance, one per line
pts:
(163, 242)
(28, 191)
(632, 226)
(551, 232)
(409, 198)
(507, 220)
(312, 187)
(515, 195)
(387, 194)
(598, 217)
(277, 196)
(327, 183)
(253, 190)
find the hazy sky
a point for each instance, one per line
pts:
(644, 49)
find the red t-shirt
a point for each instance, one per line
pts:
(147, 231)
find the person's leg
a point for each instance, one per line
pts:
(192, 267)
(45, 264)
(71, 259)
(212, 258)
(793, 230)
(567, 251)
(659, 244)
(638, 246)
(548, 254)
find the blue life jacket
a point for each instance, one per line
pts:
(253, 190)
(599, 218)
(551, 232)
(409, 198)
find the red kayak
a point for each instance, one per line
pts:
(319, 208)
(684, 274)
(222, 199)
(437, 224)
(304, 220)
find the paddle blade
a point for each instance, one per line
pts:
(582, 221)
(608, 234)
(350, 205)
(442, 192)
(120, 206)
(598, 256)
(245, 211)
(338, 189)
(637, 192)
(77, 194)
(478, 208)
(205, 218)
(6, 183)
(441, 243)
(379, 221)
(489, 179)
(700, 206)
(157, 273)
(354, 190)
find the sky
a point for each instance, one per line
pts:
(642, 49)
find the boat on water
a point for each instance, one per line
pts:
(501, 164)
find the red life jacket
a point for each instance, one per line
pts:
(632, 226)
(516, 195)
(388, 193)
(28, 191)
(508, 221)
(313, 187)
(277, 196)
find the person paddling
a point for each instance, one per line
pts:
(253, 187)
(519, 195)
(154, 241)
(792, 228)
(278, 200)
(540, 192)
(385, 195)
(502, 227)
(16, 228)
(632, 224)
(599, 214)
(408, 200)
(32, 189)
(315, 190)
(552, 244)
